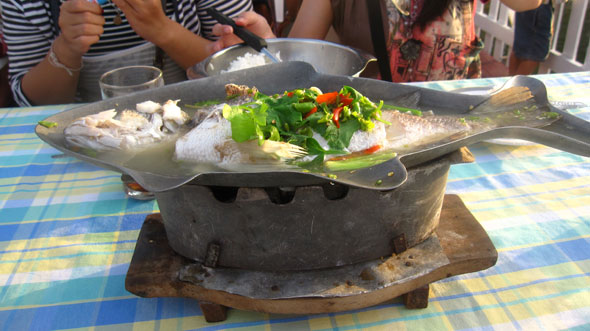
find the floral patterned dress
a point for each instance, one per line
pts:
(447, 48)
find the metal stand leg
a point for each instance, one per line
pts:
(213, 312)
(417, 298)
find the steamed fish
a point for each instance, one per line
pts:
(149, 123)
(339, 124)
(211, 140)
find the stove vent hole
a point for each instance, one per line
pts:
(280, 195)
(225, 194)
(335, 191)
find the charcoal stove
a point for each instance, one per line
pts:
(287, 241)
(309, 249)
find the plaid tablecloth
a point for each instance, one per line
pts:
(67, 234)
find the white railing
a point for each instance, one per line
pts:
(498, 35)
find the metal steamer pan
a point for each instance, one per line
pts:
(305, 227)
(569, 133)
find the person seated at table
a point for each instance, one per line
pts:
(57, 50)
(423, 39)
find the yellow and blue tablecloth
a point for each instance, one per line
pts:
(67, 234)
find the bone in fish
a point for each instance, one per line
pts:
(149, 123)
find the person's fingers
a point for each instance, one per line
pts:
(81, 24)
(73, 25)
(83, 30)
(222, 30)
(79, 6)
(256, 23)
(249, 18)
(86, 40)
(75, 13)
(214, 47)
(140, 9)
(145, 17)
(123, 5)
(80, 44)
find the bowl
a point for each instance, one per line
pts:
(326, 57)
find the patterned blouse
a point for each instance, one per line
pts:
(446, 49)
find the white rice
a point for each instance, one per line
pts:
(250, 60)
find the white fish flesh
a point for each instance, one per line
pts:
(149, 123)
(211, 139)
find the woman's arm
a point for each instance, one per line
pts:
(46, 82)
(522, 5)
(313, 20)
(185, 47)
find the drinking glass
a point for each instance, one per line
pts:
(123, 81)
(130, 79)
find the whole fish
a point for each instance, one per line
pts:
(342, 123)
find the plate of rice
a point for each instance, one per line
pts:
(249, 60)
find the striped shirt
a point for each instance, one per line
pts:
(29, 30)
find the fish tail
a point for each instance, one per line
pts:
(514, 106)
(510, 98)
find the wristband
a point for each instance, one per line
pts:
(54, 61)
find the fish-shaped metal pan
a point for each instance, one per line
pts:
(569, 133)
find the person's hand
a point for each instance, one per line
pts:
(81, 23)
(146, 18)
(252, 21)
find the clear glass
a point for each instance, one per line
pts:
(123, 81)
(126, 80)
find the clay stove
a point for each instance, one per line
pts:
(310, 249)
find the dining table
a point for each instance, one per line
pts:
(68, 233)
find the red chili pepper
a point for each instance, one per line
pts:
(336, 117)
(345, 100)
(328, 98)
(290, 94)
(372, 149)
(313, 110)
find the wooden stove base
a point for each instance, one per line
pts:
(156, 271)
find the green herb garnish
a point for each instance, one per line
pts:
(202, 104)
(294, 115)
(47, 124)
(412, 111)
(550, 114)
(359, 162)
